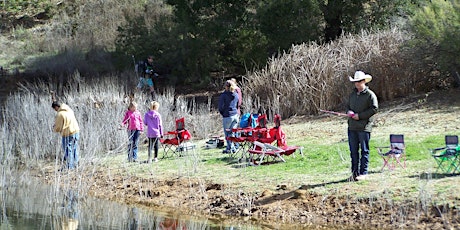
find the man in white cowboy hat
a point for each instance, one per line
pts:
(361, 106)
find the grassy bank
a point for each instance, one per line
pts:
(308, 189)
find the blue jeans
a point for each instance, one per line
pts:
(70, 205)
(357, 139)
(70, 147)
(228, 124)
(133, 144)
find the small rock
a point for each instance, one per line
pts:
(245, 212)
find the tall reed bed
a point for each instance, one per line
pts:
(312, 76)
(99, 107)
(28, 141)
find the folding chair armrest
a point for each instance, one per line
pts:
(274, 148)
(440, 148)
(260, 144)
(433, 151)
(171, 133)
(380, 148)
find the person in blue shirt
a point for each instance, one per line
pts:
(228, 108)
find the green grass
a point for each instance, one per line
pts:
(323, 168)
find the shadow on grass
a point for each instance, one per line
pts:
(430, 176)
(298, 193)
(294, 194)
(241, 162)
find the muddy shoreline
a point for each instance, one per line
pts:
(297, 207)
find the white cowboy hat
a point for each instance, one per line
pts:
(360, 75)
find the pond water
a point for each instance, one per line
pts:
(35, 206)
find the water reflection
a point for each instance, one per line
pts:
(35, 206)
(170, 224)
(69, 217)
(133, 219)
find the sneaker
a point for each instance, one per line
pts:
(226, 151)
(361, 177)
(156, 159)
(149, 161)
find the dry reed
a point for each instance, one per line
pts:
(312, 76)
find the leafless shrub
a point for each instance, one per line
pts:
(7, 158)
(99, 106)
(313, 76)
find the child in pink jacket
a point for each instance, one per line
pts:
(133, 119)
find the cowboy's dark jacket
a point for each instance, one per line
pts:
(365, 104)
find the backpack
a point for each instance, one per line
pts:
(244, 122)
(139, 68)
(142, 68)
(248, 120)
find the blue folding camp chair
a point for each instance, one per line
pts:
(448, 157)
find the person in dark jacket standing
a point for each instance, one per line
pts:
(362, 105)
(228, 108)
(146, 72)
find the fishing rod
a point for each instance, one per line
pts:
(53, 96)
(134, 62)
(337, 113)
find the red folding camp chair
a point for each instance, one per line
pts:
(397, 153)
(262, 146)
(242, 137)
(245, 136)
(262, 121)
(261, 132)
(178, 139)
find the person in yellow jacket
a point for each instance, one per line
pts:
(66, 124)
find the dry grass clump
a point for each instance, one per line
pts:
(312, 76)
(99, 106)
